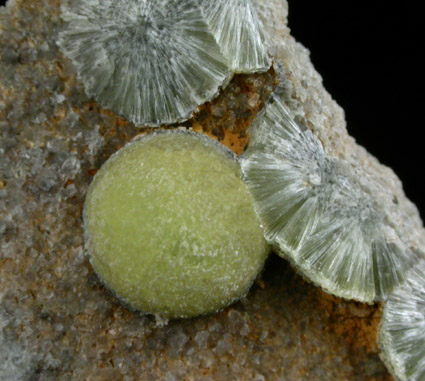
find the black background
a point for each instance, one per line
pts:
(371, 57)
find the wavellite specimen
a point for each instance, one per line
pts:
(57, 322)
(151, 61)
(319, 213)
(402, 333)
(171, 228)
(239, 33)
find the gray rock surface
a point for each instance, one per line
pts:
(56, 319)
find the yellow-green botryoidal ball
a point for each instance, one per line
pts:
(171, 228)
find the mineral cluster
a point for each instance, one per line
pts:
(319, 213)
(155, 62)
(139, 58)
(57, 319)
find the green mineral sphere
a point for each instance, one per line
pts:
(171, 228)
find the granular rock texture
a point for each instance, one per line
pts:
(56, 319)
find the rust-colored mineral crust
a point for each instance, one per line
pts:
(56, 319)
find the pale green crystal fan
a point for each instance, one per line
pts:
(152, 61)
(402, 333)
(319, 213)
(171, 227)
(239, 33)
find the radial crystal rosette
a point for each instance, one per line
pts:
(402, 333)
(239, 33)
(152, 61)
(319, 213)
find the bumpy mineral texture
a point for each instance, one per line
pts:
(56, 319)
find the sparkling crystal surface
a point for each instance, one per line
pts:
(319, 213)
(153, 62)
(402, 333)
(162, 219)
(239, 33)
